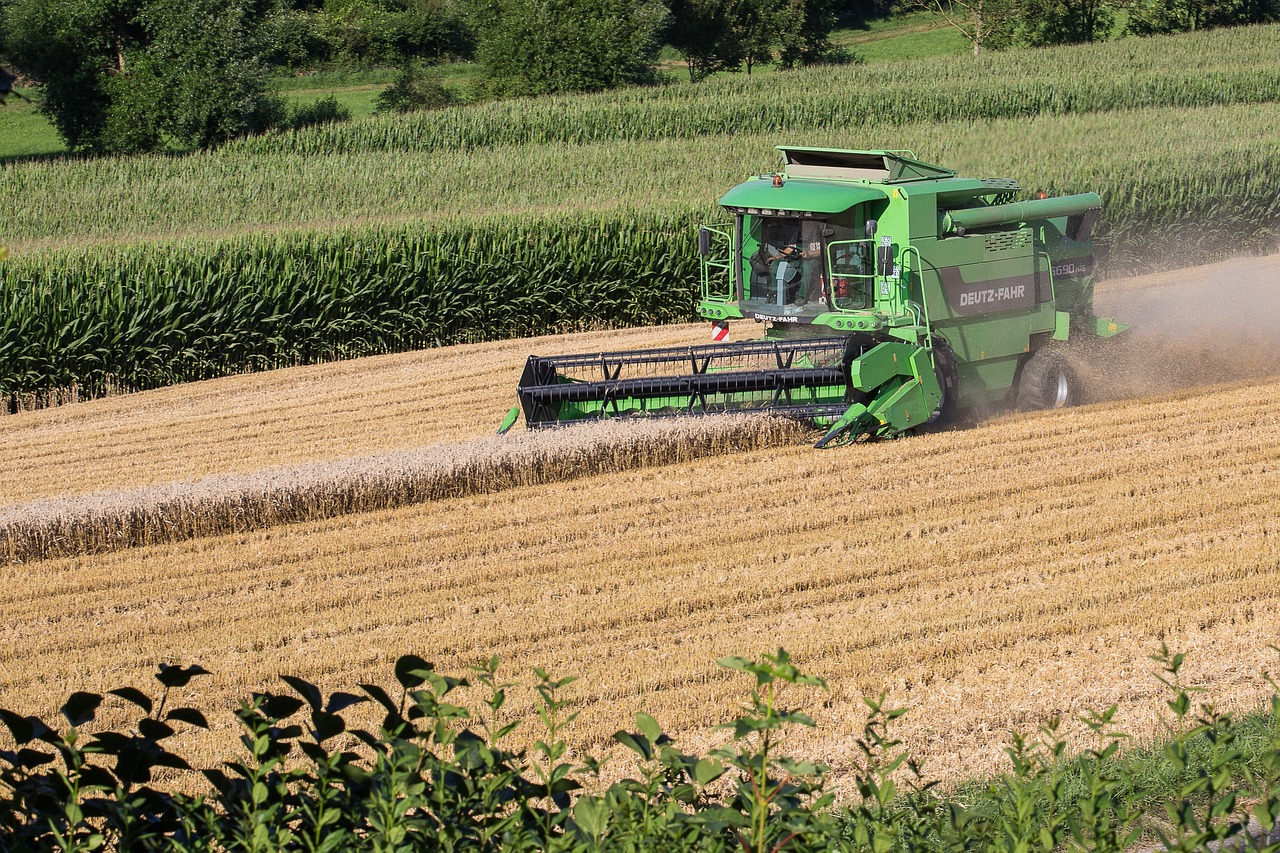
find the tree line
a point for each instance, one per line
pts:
(1001, 24)
(141, 75)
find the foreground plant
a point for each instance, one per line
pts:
(435, 776)
(440, 776)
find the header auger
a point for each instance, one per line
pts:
(893, 291)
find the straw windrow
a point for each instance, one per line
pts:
(230, 503)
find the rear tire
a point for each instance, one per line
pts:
(1048, 381)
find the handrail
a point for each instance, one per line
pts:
(924, 301)
(1038, 250)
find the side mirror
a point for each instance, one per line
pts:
(704, 242)
(828, 232)
(871, 227)
(884, 257)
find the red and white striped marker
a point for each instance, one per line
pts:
(719, 330)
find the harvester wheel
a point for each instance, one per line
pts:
(1048, 381)
(858, 345)
(944, 368)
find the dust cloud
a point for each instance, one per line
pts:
(1199, 326)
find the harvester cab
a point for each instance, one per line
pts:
(892, 291)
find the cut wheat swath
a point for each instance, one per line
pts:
(236, 503)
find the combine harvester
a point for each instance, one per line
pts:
(894, 292)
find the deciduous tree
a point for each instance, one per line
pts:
(1049, 22)
(535, 47)
(803, 30)
(755, 28)
(725, 35)
(199, 69)
(705, 33)
(130, 75)
(984, 23)
(73, 47)
(1150, 17)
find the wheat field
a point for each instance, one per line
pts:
(988, 577)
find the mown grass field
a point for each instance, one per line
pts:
(911, 35)
(24, 132)
(989, 577)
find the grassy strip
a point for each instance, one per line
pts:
(235, 503)
(25, 133)
(907, 35)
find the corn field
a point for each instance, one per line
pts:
(1169, 163)
(145, 316)
(138, 272)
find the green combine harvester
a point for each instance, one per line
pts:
(894, 292)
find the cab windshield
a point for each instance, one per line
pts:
(784, 261)
(794, 265)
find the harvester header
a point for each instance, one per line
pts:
(892, 291)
